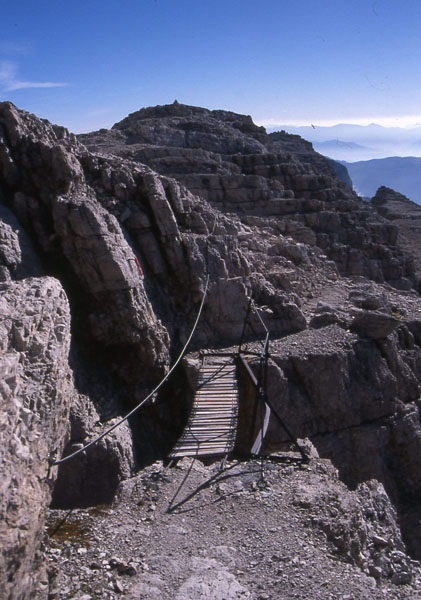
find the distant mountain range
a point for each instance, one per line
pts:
(339, 145)
(403, 174)
(360, 142)
(374, 155)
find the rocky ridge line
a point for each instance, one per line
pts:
(274, 180)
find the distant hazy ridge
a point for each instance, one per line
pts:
(374, 155)
(403, 174)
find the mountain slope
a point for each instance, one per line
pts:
(402, 174)
(227, 160)
(86, 334)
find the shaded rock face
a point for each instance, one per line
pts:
(406, 215)
(237, 167)
(93, 476)
(341, 172)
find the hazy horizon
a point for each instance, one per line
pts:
(355, 142)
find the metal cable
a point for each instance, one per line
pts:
(136, 408)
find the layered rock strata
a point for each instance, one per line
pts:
(127, 236)
(405, 215)
(226, 159)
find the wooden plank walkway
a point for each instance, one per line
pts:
(212, 425)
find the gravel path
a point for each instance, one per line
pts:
(192, 532)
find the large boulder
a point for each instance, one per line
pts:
(374, 324)
(37, 392)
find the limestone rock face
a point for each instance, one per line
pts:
(353, 388)
(127, 229)
(46, 188)
(93, 476)
(226, 159)
(37, 391)
(18, 257)
(405, 215)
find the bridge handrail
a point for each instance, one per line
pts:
(261, 382)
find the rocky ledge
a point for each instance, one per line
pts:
(106, 243)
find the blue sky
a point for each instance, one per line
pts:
(87, 64)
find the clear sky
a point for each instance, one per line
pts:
(88, 63)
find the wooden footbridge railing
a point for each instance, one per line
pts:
(212, 425)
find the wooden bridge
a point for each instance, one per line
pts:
(212, 425)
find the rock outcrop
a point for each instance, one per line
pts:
(406, 215)
(120, 230)
(37, 391)
(226, 159)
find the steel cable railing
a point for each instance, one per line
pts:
(54, 462)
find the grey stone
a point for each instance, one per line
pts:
(374, 325)
(210, 580)
(402, 578)
(37, 391)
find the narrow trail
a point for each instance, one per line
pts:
(231, 536)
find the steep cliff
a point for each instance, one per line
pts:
(406, 215)
(106, 243)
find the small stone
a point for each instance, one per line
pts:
(375, 571)
(379, 541)
(118, 586)
(401, 578)
(114, 562)
(398, 555)
(126, 569)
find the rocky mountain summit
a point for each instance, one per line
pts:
(106, 244)
(274, 180)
